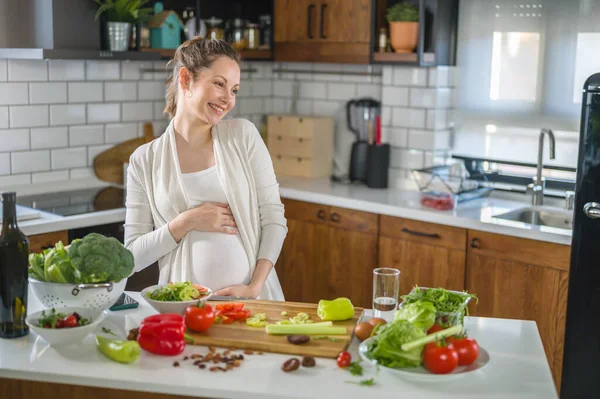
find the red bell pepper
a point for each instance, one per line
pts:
(162, 334)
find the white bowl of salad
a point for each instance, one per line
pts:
(65, 326)
(174, 297)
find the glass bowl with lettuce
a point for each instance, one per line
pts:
(91, 272)
(451, 307)
(175, 297)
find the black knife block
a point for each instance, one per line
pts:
(378, 164)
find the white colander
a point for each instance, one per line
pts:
(94, 296)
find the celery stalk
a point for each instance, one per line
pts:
(304, 329)
(457, 329)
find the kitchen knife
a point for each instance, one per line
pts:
(229, 298)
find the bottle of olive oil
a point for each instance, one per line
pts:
(14, 254)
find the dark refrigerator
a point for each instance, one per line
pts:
(581, 367)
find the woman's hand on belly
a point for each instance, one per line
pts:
(250, 291)
(212, 217)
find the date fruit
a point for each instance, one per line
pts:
(298, 339)
(308, 361)
(290, 365)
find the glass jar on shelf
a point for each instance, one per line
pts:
(252, 36)
(235, 33)
(266, 31)
(214, 28)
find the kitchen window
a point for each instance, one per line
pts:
(521, 66)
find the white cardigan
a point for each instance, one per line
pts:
(155, 195)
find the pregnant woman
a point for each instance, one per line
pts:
(202, 199)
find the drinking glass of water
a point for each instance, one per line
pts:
(386, 286)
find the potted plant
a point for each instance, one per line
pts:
(117, 18)
(403, 18)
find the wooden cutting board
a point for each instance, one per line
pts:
(242, 336)
(108, 165)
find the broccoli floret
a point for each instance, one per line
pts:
(101, 259)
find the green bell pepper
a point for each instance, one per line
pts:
(337, 309)
(118, 350)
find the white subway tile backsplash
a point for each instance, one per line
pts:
(47, 93)
(251, 106)
(395, 136)
(84, 92)
(130, 70)
(312, 90)
(405, 76)
(30, 161)
(116, 133)
(3, 117)
(431, 98)
(429, 139)
(66, 70)
(102, 70)
(44, 177)
(67, 114)
(437, 119)
(28, 115)
(159, 127)
(408, 117)
(13, 94)
(439, 76)
(161, 66)
(81, 173)
(139, 111)
(372, 91)
(283, 88)
(120, 91)
(281, 106)
(3, 71)
(444, 98)
(14, 180)
(94, 150)
(69, 158)
(386, 116)
(5, 163)
(387, 74)
(407, 159)
(14, 139)
(151, 90)
(341, 91)
(100, 113)
(159, 107)
(327, 108)
(364, 69)
(27, 70)
(49, 137)
(245, 90)
(262, 88)
(395, 96)
(86, 135)
(303, 107)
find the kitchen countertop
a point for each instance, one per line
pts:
(517, 369)
(475, 214)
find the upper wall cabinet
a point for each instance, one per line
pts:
(323, 30)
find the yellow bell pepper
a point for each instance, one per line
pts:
(337, 309)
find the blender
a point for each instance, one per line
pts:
(361, 116)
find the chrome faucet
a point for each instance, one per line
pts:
(539, 184)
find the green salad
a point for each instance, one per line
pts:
(178, 291)
(442, 299)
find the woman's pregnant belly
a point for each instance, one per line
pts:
(218, 260)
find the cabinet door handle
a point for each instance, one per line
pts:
(321, 214)
(323, 7)
(309, 22)
(475, 243)
(279, 138)
(335, 217)
(420, 233)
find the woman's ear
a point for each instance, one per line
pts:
(184, 78)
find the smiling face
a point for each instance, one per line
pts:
(213, 90)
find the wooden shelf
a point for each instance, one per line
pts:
(428, 58)
(246, 54)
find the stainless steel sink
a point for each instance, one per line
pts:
(541, 217)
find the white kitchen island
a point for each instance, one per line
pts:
(517, 369)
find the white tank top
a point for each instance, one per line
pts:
(218, 259)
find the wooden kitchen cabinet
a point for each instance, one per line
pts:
(39, 242)
(328, 252)
(427, 254)
(323, 30)
(517, 278)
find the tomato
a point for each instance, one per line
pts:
(60, 323)
(467, 350)
(242, 314)
(344, 359)
(440, 359)
(434, 328)
(199, 317)
(230, 307)
(200, 288)
(71, 321)
(226, 319)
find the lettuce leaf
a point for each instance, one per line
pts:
(386, 345)
(421, 314)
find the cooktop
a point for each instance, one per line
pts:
(75, 202)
